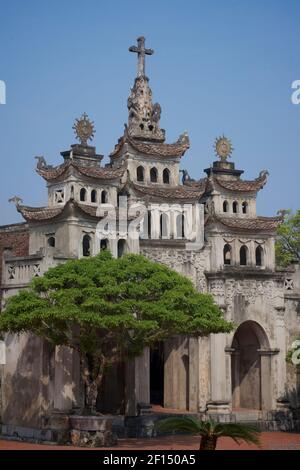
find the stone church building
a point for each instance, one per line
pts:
(207, 229)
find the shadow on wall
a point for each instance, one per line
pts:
(25, 385)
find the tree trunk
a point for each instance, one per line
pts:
(91, 386)
(208, 443)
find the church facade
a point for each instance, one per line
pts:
(207, 229)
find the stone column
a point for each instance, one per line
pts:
(193, 374)
(66, 378)
(219, 375)
(281, 357)
(137, 383)
(176, 373)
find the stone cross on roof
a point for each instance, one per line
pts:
(141, 52)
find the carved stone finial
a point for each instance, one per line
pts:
(223, 148)
(41, 162)
(263, 174)
(84, 129)
(282, 213)
(15, 200)
(141, 51)
(186, 177)
(144, 116)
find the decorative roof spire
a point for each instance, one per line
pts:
(144, 116)
(84, 129)
(223, 148)
(141, 52)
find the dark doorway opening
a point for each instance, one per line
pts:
(157, 361)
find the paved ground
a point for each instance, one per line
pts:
(270, 441)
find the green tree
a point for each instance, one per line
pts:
(109, 309)
(287, 246)
(210, 431)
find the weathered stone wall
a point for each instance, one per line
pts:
(14, 239)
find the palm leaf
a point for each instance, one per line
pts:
(186, 424)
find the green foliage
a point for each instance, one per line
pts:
(287, 246)
(110, 309)
(210, 428)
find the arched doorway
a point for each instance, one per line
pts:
(250, 367)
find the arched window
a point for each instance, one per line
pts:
(72, 192)
(235, 207)
(140, 173)
(166, 176)
(164, 226)
(243, 255)
(121, 248)
(180, 226)
(225, 206)
(82, 194)
(104, 197)
(51, 242)
(227, 254)
(259, 255)
(104, 244)
(94, 196)
(153, 175)
(86, 245)
(244, 207)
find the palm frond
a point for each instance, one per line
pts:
(186, 424)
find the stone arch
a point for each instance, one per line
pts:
(166, 176)
(94, 195)
(180, 226)
(104, 197)
(244, 255)
(225, 206)
(251, 367)
(83, 194)
(121, 247)
(164, 225)
(259, 256)
(245, 207)
(235, 207)
(140, 173)
(86, 245)
(227, 254)
(153, 175)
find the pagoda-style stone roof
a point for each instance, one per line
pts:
(172, 193)
(159, 149)
(96, 172)
(243, 185)
(246, 224)
(42, 214)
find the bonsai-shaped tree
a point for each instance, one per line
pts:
(210, 431)
(109, 309)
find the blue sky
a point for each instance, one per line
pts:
(220, 66)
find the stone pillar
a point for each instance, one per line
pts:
(204, 373)
(66, 378)
(281, 357)
(137, 382)
(219, 375)
(193, 374)
(266, 379)
(176, 373)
